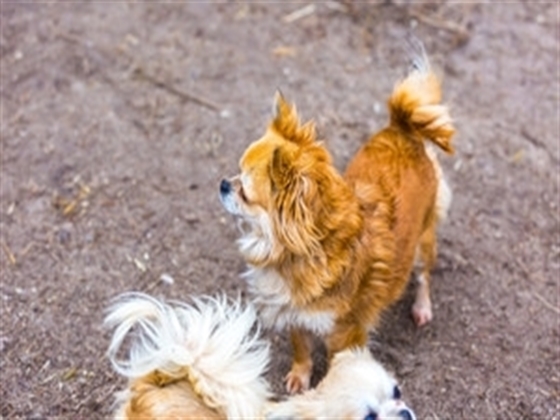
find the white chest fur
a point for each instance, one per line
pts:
(271, 297)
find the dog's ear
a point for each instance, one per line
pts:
(281, 106)
(293, 193)
(282, 170)
(286, 122)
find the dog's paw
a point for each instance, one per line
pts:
(297, 381)
(422, 313)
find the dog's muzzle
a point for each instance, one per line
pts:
(227, 198)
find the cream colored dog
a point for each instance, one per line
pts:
(207, 361)
(356, 387)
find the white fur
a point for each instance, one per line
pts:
(258, 244)
(230, 204)
(257, 241)
(444, 194)
(355, 386)
(417, 53)
(421, 279)
(212, 340)
(269, 290)
(272, 298)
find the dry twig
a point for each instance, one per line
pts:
(546, 303)
(140, 73)
(9, 253)
(300, 13)
(461, 31)
(185, 96)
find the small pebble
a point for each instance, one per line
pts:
(167, 279)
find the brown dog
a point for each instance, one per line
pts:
(328, 253)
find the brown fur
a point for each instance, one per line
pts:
(346, 245)
(158, 396)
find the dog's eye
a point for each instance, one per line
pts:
(371, 416)
(396, 393)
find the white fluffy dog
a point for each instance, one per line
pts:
(356, 387)
(206, 361)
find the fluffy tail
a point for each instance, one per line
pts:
(415, 104)
(212, 342)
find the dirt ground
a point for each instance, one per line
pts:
(119, 120)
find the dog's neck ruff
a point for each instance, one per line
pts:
(257, 244)
(272, 298)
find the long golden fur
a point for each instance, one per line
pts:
(328, 253)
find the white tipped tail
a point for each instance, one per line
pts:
(415, 103)
(212, 342)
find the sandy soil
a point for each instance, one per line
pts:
(118, 121)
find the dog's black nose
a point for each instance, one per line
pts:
(406, 414)
(225, 186)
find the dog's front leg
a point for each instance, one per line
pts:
(297, 380)
(347, 333)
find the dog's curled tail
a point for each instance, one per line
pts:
(415, 104)
(212, 342)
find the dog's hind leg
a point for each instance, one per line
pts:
(297, 380)
(427, 247)
(427, 250)
(444, 194)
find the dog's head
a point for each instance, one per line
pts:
(356, 387)
(288, 195)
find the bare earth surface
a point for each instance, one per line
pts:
(119, 120)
